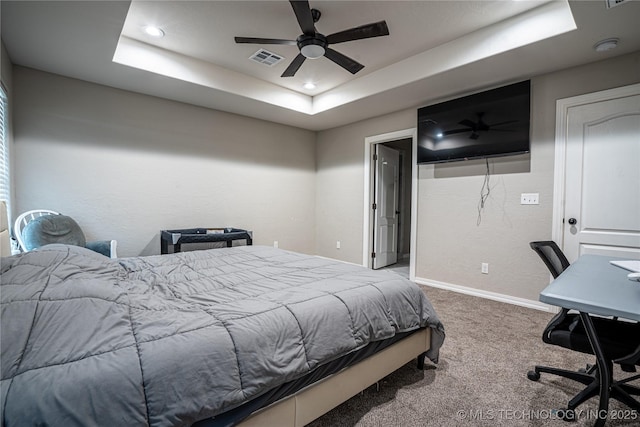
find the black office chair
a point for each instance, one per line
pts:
(620, 341)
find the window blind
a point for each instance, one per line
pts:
(5, 183)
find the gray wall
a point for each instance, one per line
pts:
(126, 165)
(451, 246)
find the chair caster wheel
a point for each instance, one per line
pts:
(585, 370)
(533, 375)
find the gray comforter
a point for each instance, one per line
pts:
(172, 339)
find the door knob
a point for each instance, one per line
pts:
(572, 221)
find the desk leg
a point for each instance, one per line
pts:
(604, 369)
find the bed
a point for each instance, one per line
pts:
(247, 335)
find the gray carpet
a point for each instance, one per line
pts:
(481, 378)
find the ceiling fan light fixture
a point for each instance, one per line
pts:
(312, 51)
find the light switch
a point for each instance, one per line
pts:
(529, 199)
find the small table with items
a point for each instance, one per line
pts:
(176, 238)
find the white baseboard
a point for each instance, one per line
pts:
(523, 302)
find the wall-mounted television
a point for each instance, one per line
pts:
(486, 124)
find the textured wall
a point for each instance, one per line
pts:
(126, 165)
(451, 246)
(340, 184)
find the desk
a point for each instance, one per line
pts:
(591, 285)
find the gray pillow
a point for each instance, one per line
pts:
(52, 229)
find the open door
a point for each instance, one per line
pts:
(385, 206)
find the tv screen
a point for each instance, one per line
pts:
(487, 124)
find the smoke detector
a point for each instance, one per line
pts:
(605, 45)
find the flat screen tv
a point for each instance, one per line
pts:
(487, 124)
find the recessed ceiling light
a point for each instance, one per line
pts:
(309, 85)
(153, 31)
(605, 45)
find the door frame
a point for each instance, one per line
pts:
(562, 110)
(367, 242)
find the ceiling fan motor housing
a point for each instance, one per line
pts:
(312, 47)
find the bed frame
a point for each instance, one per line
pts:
(319, 398)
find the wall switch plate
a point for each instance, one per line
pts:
(484, 268)
(275, 243)
(530, 199)
(338, 244)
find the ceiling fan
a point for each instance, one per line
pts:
(313, 45)
(480, 125)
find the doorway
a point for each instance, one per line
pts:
(400, 215)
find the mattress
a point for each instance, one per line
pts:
(174, 339)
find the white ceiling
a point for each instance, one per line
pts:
(435, 50)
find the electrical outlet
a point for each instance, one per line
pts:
(484, 268)
(530, 199)
(275, 243)
(338, 244)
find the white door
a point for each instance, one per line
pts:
(602, 176)
(387, 174)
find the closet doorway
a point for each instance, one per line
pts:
(390, 200)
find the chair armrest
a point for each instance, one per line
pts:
(104, 247)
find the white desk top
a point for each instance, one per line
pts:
(593, 285)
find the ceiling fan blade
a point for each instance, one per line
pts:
(344, 61)
(454, 131)
(258, 40)
(294, 66)
(376, 29)
(303, 13)
(501, 123)
(467, 122)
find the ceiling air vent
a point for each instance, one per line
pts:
(265, 57)
(614, 3)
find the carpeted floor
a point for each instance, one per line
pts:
(481, 378)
